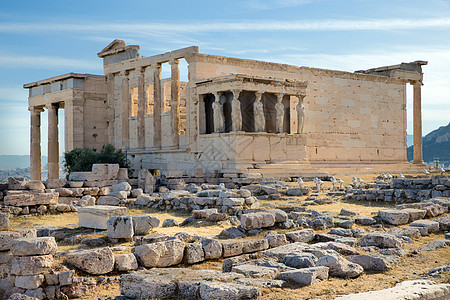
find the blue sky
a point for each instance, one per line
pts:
(41, 39)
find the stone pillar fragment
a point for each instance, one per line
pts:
(53, 143)
(142, 109)
(126, 98)
(157, 109)
(175, 101)
(35, 143)
(417, 123)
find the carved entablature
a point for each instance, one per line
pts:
(251, 83)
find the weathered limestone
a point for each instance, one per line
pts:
(35, 142)
(339, 266)
(175, 101)
(375, 262)
(258, 112)
(95, 261)
(414, 290)
(4, 221)
(26, 198)
(143, 224)
(257, 220)
(417, 123)
(306, 276)
(158, 103)
(53, 141)
(126, 262)
(219, 119)
(120, 227)
(33, 246)
(30, 265)
(161, 254)
(97, 216)
(394, 217)
(236, 114)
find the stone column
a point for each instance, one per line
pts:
(157, 106)
(174, 101)
(35, 143)
(110, 108)
(142, 109)
(417, 123)
(125, 90)
(236, 114)
(279, 110)
(53, 144)
(218, 117)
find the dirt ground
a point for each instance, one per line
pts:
(411, 266)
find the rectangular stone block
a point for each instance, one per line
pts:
(27, 198)
(97, 216)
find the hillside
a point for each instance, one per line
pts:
(436, 144)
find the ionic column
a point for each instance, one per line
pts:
(35, 143)
(175, 100)
(142, 109)
(126, 98)
(157, 108)
(417, 123)
(53, 143)
(236, 114)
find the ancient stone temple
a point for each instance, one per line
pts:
(231, 116)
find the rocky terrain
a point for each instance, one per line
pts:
(239, 239)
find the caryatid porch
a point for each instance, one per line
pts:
(248, 120)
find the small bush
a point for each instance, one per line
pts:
(81, 160)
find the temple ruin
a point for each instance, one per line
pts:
(232, 116)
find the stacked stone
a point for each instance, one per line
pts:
(404, 190)
(29, 268)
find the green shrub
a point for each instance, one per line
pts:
(81, 160)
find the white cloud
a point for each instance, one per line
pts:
(247, 26)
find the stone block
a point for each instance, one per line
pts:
(212, 248)
(29, 282)
(233, 201)
(254, 271)
(203, 213)
(276, 240)
(414, 289)
(120, 227)
(232, 248)
(141, 286)
(16, 183)
(280, 216)
(225, 290)
(306, 276)
(415, 214)
(431, 226)
(30, 265)
(393, 216)
(66, 277)
(34, 246)
(36, 185)
(94, 261)
(339, 266)
(4, 221)
(282, 251)
(304, 235)
(380, 240)
(300, 260)
(143, 224)
(27, 198)
(161, 254)
(375, 262)
(6, 237)
(194, 253)
(123, 186)
(55, 183)
(257, 220)
(255, 245)
(126, 262)
(97, 216)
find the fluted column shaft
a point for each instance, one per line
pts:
(53, 143)
(35, 143)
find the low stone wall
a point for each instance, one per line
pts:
(404, 190)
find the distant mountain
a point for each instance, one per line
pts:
(409, 140)
(435, 145)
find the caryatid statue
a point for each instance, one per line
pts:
(258, 113)
(236, 115)
(279, 109)
(219, 119)
(300, 114)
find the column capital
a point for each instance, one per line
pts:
(174, 62)
(280, 97)
(141, 69)
(258, 95)
(124, 73)
(217, 95)
(36, 109)
(301, 97)
(236, 93)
